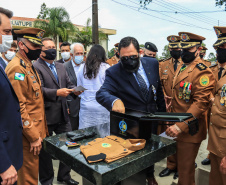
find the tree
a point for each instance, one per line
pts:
(85, 35)
(221, 3)
(212, 57)
(165, 53)
(111, 53)
(56, 22)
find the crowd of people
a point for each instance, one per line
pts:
(41, 96)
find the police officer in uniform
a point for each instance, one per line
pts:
(192, 87)
(150, 50)
(203, 54)
(27, 86)
(167, 72)
(217, 131)
(114, 60)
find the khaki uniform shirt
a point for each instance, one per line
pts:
(112, 61)
(167, 73)
(217, 128)
(202, 83)
(27, 87)
(111, 148)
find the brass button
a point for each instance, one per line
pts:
(211, 113)
(213, 103)
(211, 123)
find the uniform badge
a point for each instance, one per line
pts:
(40, 34)
(204, 80)
(173, 39)
(184, 37)
(22, 63)
(19, 76)
(106, 145)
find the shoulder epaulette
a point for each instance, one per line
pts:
(22, 63)
(201, 66)
(163, 60)
(213, 65)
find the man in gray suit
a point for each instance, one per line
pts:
(8, 55)
(56, 86)
(72, 67)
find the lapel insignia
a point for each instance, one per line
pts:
(201, 66)
(22, 63)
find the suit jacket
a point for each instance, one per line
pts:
(55, 106)
(60, 61)
(73, 101)
(123, 85)
(2, 63)
(11, 149)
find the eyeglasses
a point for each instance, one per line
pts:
(125, 58)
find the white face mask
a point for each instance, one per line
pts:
(65, 55)
(7, 40)
(10, 55)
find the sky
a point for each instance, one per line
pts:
(153, 24)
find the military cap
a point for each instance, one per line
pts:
(189, 40)
(116, 45)
(150, 46)
(221, 35)
(174, 41)
(34, 35)
(203, 49)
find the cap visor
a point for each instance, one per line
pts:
(36, 42)
(219, 42)
(186, 45)
(172, 46)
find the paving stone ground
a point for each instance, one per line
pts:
(158, 167)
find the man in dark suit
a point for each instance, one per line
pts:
(11, 149)
(133, 83)
(56, 86)
(8, 55)
(65, 53)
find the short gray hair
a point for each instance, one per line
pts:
(7, 12)
(73, 46)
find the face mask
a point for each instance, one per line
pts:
(33, 54)
(176, 54)
(188, 56)
(10, 55)
(50, 54)
(65, 55)
(7, 40)
(221, 55)
(117, 55)
(130, 65)
(201, 56)
(78, 59)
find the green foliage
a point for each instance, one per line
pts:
(85, 35)
(111, 53)
(220, 3)
(56, 22)
(144, 3)
(165, 53)
(212, 57)
(141, 45)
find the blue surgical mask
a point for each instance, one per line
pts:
(78, 59)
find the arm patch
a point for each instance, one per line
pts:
(201, 66)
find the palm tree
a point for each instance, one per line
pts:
(85, 35)
(56, 23)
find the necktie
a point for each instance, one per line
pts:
(175, 65)
(143, 85)
(220, 73)
(53, 71)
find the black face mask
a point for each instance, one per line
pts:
(50, 54)
(188, 56)
(32, 54)
(201, 56)
(117, 55)
(221, 55)
(176, 54)
(148, 56)
(131, 65)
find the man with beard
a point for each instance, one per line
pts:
(133, 83)
(217, 131)
(27, 86)
(114, 60)
(191, 90)
(167, 72)
(150, 50)
(56, 86)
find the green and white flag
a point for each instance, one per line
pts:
(19, 76)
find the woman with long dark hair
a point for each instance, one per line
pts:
(91, 75)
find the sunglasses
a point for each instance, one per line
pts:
(125, 58)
